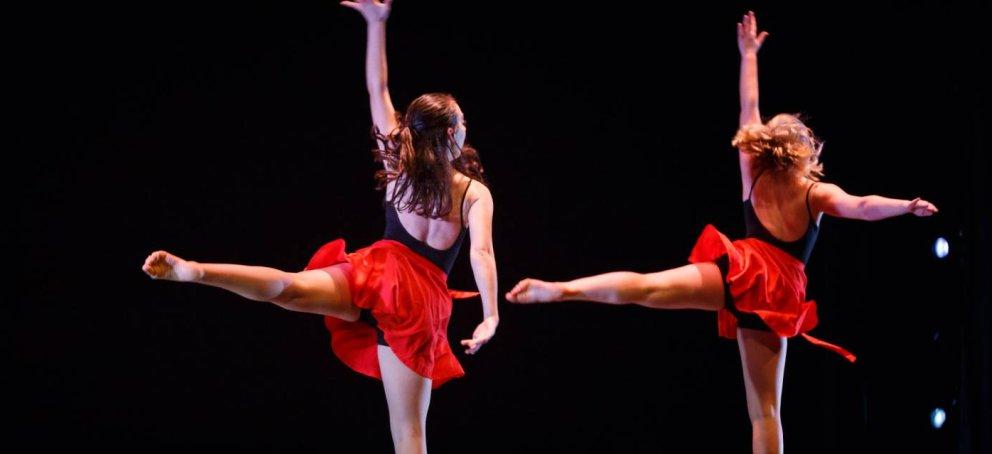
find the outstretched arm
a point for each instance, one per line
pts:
(832, 200)
(376, 76)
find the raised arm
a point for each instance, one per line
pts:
(480, 225)
(376, 76)
(832, 200)
(749, 42)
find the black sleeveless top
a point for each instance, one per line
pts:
(444, 259)
(801, 248)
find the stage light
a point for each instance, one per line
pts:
(941, 247)
(937, 417)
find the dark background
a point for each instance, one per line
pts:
(237, 132)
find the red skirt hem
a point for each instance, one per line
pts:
(409, 298)
(765, 281)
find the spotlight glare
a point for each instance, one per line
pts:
(941, 247)
(937, 418)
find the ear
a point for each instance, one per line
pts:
(451, 132)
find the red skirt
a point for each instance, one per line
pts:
(409, 298)
(765, 281)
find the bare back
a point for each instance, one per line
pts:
(442, 233)
(779, 200)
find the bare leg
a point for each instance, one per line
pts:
(408, 395)
(695, 286)
(324, 291)
(763, 362)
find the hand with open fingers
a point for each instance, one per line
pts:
(748, 38)
(372, 10)
(535, 291)
(922, 208)
(481, 336)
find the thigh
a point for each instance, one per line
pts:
(323, 291)
(695, 286)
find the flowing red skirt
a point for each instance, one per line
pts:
(765, 281)
(409, 298)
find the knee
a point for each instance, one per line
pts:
(289, 294)
(301, 293)
(765, 414)
(350, 314)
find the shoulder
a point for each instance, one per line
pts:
(478, 194)
(479, 190)
(821, 190)
(474, 190)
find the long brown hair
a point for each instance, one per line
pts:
(416, 156)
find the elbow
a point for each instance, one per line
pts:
(863, 211)
(482, 253)
(870, 216)
(867, 209)
(859, 209)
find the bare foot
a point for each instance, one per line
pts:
(163, 265)
(535, 291)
